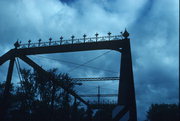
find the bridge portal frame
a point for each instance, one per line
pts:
(126, 92)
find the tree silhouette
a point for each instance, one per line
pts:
(39, 97)
(163, 112)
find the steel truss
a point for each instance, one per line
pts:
(120, 43)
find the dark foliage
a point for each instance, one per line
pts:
(40, 97)
(163, 112)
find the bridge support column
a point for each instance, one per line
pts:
(5, 101)
(126, 95)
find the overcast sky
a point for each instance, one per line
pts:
(152, 24)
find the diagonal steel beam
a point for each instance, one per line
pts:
(7, 56)
(38, 68)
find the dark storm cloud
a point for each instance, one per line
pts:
(156, 54)
(153, 27)
(67, 1)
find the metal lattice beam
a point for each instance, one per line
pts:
(97, 79)
(101, 95)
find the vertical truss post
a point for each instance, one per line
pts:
(126, 95)
(5, 101)
(98, 95)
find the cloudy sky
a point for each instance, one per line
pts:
(154, 31)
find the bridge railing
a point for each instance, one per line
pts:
(69, 41)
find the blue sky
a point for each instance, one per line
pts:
(154, 31)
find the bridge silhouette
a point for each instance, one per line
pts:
(119, 43)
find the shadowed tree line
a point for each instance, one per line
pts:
(41, 98)
(38, 97)
(163, 112)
